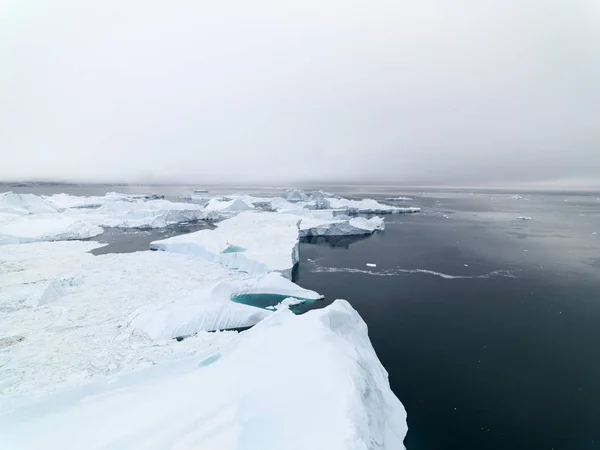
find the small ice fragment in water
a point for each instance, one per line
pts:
(371, 265)
(524, 218)
(466, 265)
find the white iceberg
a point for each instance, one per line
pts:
(144, 214)
(235, 205)
(339, 226)
(65, 201)
(44, 227)
(399, 199)
(287, 302)
(213, 307)
(369, 206)
(317, 371)
(254, 242)
(524, 218)
(296, 195)
(23, 204)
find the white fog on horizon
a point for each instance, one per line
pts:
(435, 92)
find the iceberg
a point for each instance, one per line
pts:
(23, 204)
(295, 195)
(524, 218)
(369, 206)
(44, 227)
(217, 305)
(339, 227)
(317, 371)
(234, 205)
(65, 201)
(253, 242)
(399, 199)
(144, 214)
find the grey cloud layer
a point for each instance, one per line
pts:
(434, 91)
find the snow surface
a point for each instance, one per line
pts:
(234, 205)
(64, 201)
(44, 227)
(22, 204)
(143, 214)
(254, 242)
(73, 310)
(317, 371)
(369, 206)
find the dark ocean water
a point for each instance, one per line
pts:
(489, 326)
(507, 357)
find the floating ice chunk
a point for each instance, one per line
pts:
(370, 206)
(269, 242)
(22, 204)
(296, 195)
(524, 218)
(516, 197)
(370, 265)
(339, 226)
(64, 201)
(234, 205)
(200, 191)
(399, 199)
(209, 402)
(287, 302)
(144, 214)
(44, 227)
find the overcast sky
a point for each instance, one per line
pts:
(452, 92)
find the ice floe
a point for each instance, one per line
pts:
(318, 369)
(338, 226)
(254, 242)
(369, 206)
(22, 204)
(44, 227)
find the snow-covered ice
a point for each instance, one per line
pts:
(234, 205)
(338, 226)
(370, 206)
(274, 283)
(317, 371)
(254, 242)
(44, 227)
(22, 204)
(399, 199)
(74, 309)
(64, 201)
